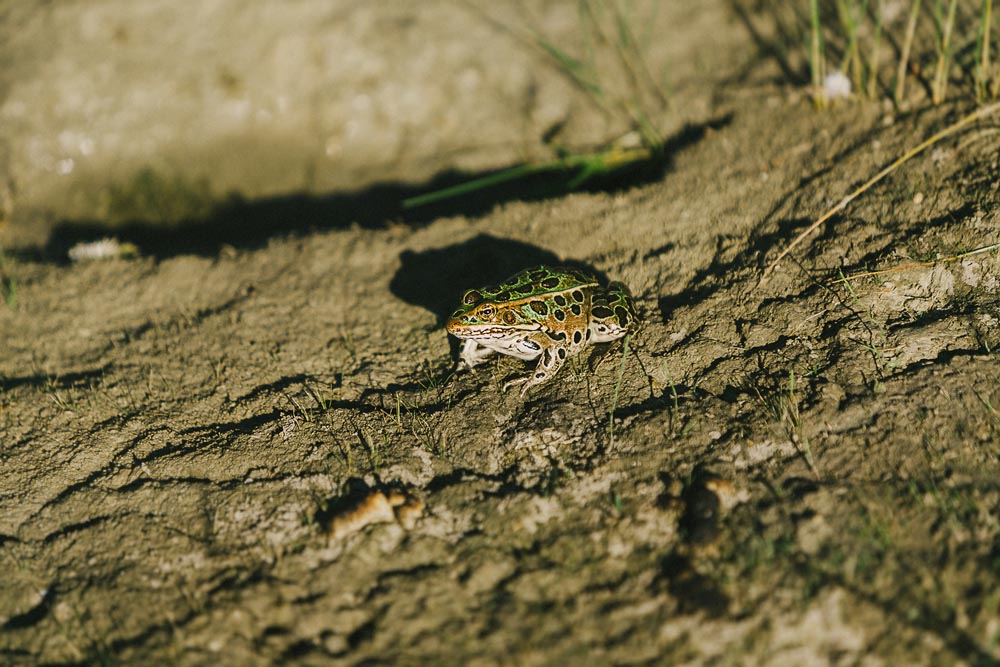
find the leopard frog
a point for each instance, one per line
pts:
(547, 312)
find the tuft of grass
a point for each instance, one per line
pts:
(878, 338)
(984, 88)
(852, 18)
(613, 71)
(977, 115)
(817, 62)
(792, 420)
(321, 399)
(784, 408)
(930, 41)
(944, 25)
(904, 57)
(851, 14)
(373, 449)
(345, 452)
(614, 75)
(302, 411)
(992, 412)
(616, 502)
(876, 51)
(674, 404)
(407, 417)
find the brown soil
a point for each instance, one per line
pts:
(248, 445)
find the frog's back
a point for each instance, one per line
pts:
(538, 281)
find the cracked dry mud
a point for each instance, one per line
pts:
(247, 446)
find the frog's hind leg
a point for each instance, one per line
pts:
(613, 317)
(613, 314)
(551, 360)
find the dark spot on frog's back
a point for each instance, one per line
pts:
(538, 275)
(472, 297)
(559, 299)
(623, 315)
(576, 309)
(577, 336)
(601, 312)
(559, 315)
(539, 307)
(550, 282)
(577, 296)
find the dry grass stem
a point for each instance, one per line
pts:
(915, 265)
(940, 87)
(904, 57)
(976, 115)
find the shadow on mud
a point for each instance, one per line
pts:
(247, 224)
(435, 279)
(68, 380)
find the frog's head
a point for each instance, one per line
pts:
(478, 312)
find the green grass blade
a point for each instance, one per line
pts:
(473, 185)
(589, 164)
(575, 68)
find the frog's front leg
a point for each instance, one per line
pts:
(473, 353)
(551, 359)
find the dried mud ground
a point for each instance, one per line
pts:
(256, 451)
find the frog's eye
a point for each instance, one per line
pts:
(487, 311)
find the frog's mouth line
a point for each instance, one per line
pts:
(488, 330)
